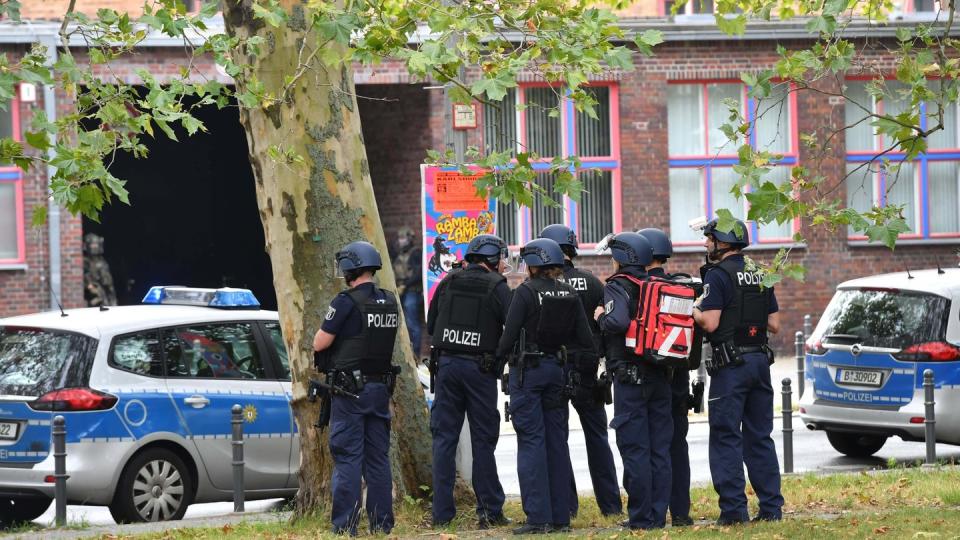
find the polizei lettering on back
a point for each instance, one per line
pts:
(382, 320)
(750, 278)
(551, 293)
(457, 337)
(578, 283)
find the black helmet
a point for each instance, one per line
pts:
(662, 246)
(542, 252)
(631, 249)
(561, 234)
(358, 255)
(739, 237)
(488, 247)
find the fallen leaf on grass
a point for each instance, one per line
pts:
(448, 537)
(882, 530)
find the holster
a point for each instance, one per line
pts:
(506, 411)
(603, 391)
(392, 378)
(433, 365)
(695, 399)
(488, 363)
(629, 374)
(724, 354)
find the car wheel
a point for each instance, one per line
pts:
(18, 510)
(155, 486)
(856, 445)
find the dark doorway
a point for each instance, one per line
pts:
(193, 218)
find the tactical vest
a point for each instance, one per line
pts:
(744, 321)
(555, 314)
(467, 321)
(370, 350)
(590, 291)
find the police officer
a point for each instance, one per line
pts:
(580, 373)
(737, 314)
(544, 319)
(641, 404)
(359, 330)
(465, 319)
(679, 392)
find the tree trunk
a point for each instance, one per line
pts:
(309, 210)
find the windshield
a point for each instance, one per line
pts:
(34, 361)
(883, 318)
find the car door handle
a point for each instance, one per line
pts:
(197, 402)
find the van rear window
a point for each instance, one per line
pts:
(34, 361)
(884, 318)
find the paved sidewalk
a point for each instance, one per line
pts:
(144, 528)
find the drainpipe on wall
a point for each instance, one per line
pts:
(53, 213)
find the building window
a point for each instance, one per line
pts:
(702, 158)
(692, 7)
(927, 187)
(925, 6)
(11, 195)
(523, 122)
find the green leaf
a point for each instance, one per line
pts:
(823, 24)
(495, 89)
(904, 34)
(37, 140)
(274, 16)
(732, 26)
(620, 57)
(39, 218)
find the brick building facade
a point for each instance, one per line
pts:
(640, 164)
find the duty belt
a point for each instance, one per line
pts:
(381, 378)
(746, 349)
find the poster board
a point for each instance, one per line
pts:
(453, 215)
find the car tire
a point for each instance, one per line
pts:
(855, 444)
(155, 486)
(15, 510)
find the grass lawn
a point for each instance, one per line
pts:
(901, 503)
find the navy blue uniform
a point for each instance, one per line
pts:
(462, 387)
(359, 434)
(642, 417)
(741, 415)
(540, 412)
(679, 451)
(587, 403)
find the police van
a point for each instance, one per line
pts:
(865, 360)
(146, 392)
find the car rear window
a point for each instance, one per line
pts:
(883, 318)
(34, 361)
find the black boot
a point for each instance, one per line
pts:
(530, 528)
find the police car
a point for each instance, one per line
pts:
(146, 392)
(865, 360)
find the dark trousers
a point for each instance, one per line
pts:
(412, 302)
(543, 459)
(644, 430)
(679, 452)
(603, 471)
(741, 419)
(360, 445)
(462, 389)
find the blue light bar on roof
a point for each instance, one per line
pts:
(223, 298)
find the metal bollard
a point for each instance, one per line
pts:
(798, 346)
(237, 421)
(807, 326)
(60, 469)
(929, 422)
(787, 427)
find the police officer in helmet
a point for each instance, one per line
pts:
(737, 314)
(359, 331)
(680, 390)
(580, 373)
(465, 320)
(545, 320)
(641, 398)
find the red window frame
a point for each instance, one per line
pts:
(921, 164)
(12, 174)
(571, 210)
(709, 161)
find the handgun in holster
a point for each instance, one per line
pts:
(433, 365)
(572, 382)
(695, 398)
(604, 388)
(724, 354)
(392, 375)
(506, 411)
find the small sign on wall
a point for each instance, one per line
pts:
(464, 116)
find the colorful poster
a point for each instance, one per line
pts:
(453, 215)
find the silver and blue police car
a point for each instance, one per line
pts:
(146, 392)
(865, 360)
